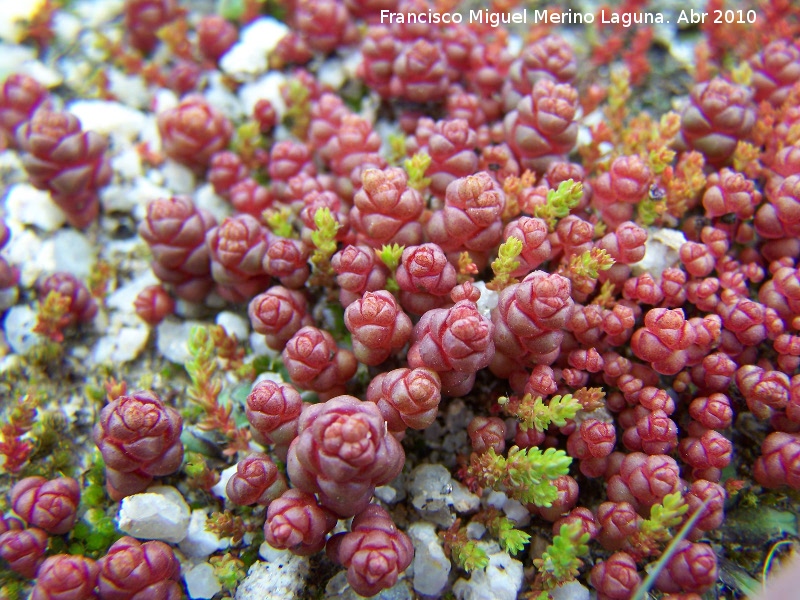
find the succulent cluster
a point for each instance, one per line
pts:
(615, 296)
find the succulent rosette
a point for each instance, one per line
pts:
(342, 452)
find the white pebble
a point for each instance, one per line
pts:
(177, 178)
(122, 298)
(28, 253)
(234, 324)
(205, 198)
(661, 250)
(434, 493)
(500, 580)
(201, 582)
(199, 541)
(27, 205)
(73, 252)
(224, 476)
(108, 117)
(121, 346)
(573, 590)
(18, 327)
(250, 54)
(160, 513)
(431, 566)
(267, 87)
(284, 576)
(13, 16)
(172, 339)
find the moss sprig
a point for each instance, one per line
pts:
(280, 222)
(390, 255)
(561, 561)
(503, 529)
(463, 551)
(505, 264)
(533, 413)
(560, 202)
(524, 475)
(324, 240)
(655, 531)
(416, 167)
(206, 387)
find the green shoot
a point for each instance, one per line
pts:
(324, 239)
(560, 202)
(534, 413)
(416, 167)
(505, 264)
(525, 475)
(560, 562)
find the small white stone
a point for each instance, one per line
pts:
(94, 13)
(12, 57)
(66, 26)
(122, 298)
(221, 98)
(205, 198)
(488, 299)
(431, 566)
(434, 493)
(495, 499)
(18, 327)
(267, 87)
(662, 250)
(143, 192)
(173, 339)
(332, 73)
(160, 513)
(26, 204)
(14, 15)
(258, 346)
(27, 252)
(224, 476)
(463, 499)
(177, 177)
(164, 100)
(386, 494)
(122, 347)
(573, 590)
(517, 512)
(131, 87)
(73, 252)
(268, 376)
(45, 75)
(108, 117)
(201, 582)
(249, 55)
(475, 530)
(127, 164)
(199, 541)
(500, 580)
(234, 324)
(284, 576)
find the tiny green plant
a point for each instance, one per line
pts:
(560, 202)
(525, 475)
(465, 552)
(561, 561)
(505, 264)
(324, 240)
(416, 167)
(390, 255)
(533, 413)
